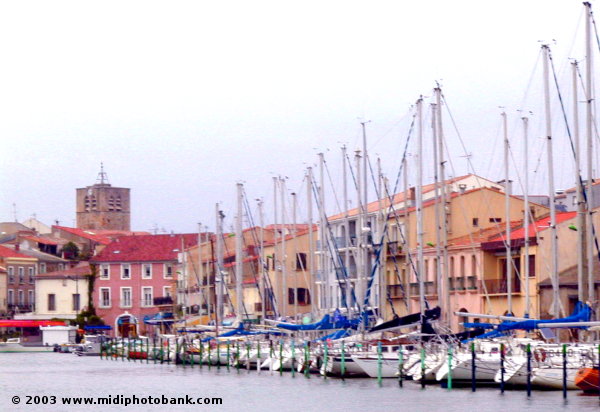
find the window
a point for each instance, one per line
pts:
(105, 272)
(126, 297)
(51, 302)
(61, 266)
(76, 301)
(475, 222)
(147, 271)
(300, 261)
(167, 291)
(21, 275)
(168, 273)
(21, 297)
(495, 220)
(11, 297)
(531, 266)
(42, 268)
(31, 273)
(303, 296)
(105, 298)
(31, 297)
(11, 274)
(291, 296)
(125, 271)
(473, 265)
(147, 296)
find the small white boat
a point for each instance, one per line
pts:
(15, 345)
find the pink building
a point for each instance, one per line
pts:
(136, 276)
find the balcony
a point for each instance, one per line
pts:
(394, 248)
(429, 288)
(499, 286)
(163, 301)
(20, 307)
(396, 291)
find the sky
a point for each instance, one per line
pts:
(182, 100)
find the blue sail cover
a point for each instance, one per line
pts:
(582, 313)
(338, 322)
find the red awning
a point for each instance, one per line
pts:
(29, 323)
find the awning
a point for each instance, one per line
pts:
(98, 327)
(29, 323)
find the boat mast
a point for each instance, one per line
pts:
(589, 136)
(219, 281)
(239, 261)
(526, 211)
(406, 238)
(365, 236)
(275, 232)
(359, 233)
(419, 194)
(284, 289)
(444, 212)
(578, 188)
(311, 246)
(346, 232)
(325, 273)
(509, 262)
(263, 273)
(202, 300)
(381, 301)
(554, 239)
(438, 207)
(295, 261)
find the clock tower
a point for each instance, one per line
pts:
(102, 206)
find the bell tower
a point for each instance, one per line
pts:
(102, 206)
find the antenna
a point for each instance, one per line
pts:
(102, 176)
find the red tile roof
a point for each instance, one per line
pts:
(44, 240)
(397, 198)
(6, 252)
(482, 235)
(82, 268)
(86, 234)
(537, 226)
(146, 248)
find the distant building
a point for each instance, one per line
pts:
(20, 280)
(103, 206)
(136, 275)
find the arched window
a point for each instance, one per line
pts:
(111, 203)
(473, 265)
(87, 203)
(463, 269)
(118, 206)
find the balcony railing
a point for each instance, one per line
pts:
(394, 248)
(397, 291)
(428, 288)
(500, 286)
(166, 300)
(20, 307)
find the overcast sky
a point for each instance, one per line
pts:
(183, 99)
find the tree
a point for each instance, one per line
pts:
(70, 251)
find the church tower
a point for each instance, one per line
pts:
(102, 206)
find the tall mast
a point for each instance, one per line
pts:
(578, 188)
(323, 214)
(263, 274)
(554, 239)
(275, 232)
(284, 288)
(526, 212)
(589, 135)
(359, 234)
(202, 299)
(311, 246)
(219, 281)
(366, 269)
(444, 213)
(509, 286)
(420, 258)
(295, 260)
(380, 303)
(347, 245)
(406, 238)
(239, 259)
(439, 205)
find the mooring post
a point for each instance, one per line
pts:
(325, 359)
(422, 366)
(473, 368)
(379, 363)
(564, 375)
(293, 358)
(400, 367)
(306, 360)
(281, 357)
(502, 368)
(449, 385)
(229, 355)
(528, 370)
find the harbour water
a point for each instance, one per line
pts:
(25, 375)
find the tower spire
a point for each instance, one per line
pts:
(102, 176)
